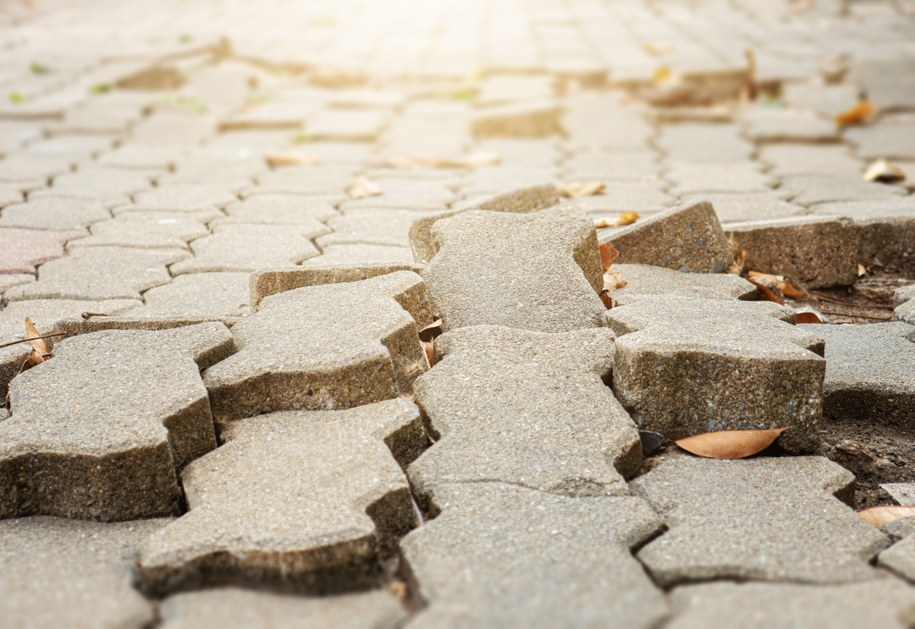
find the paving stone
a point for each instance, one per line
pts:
(54, 213)
(143, 230)
(58, 573)
(830, 100)
(622, 127)
(490, 373)
(879, 603)
(361, 254)
(107, 186)
(307, 180)
(499, 179)
(529, 119)
(238, 248)
(14, 279)
(502, 556)
(351, 125)
(685, 237)
(21, 250)
(764, 519)
(501, 89)
(870, 372)
(76, 147)
(488, 262)
(414, 197)
(686, 366)
(280, 209)
(292, 355)
(227, 607)
(644, 279)
(180, 198)
(704, 143)
(140, 157)
(746, 206)
(9, 195)
(32, 171)
(905, 300)
(900, 559)
(889, 141)
(323, 494)
(624, 196)
(377, 227)
(612, 166)
(820, 188)
(731, 177)
(197, 296)
(101, 430)
(765, 124)
(99, 273)
(835, 160)
(544, 152)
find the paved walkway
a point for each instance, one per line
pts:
(239, 214)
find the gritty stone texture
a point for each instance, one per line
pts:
(884, 141)
(684, 238)
(247, 248)
(905, 310)
(180, 198)
(377, 227)
(766, 519)
(643, 279)
(870, 372)
(281, 209)
(293, 356)
(826, 188)
(686, 366)
(508, 556)
(488, 262)
(62, 573)
(880, 603)
(735, 207)
(900, 558)
(101, 430)
(162, 231)
(323, 492)
(21, 250)
(529, 119)
(364, 255)
(197, 296)
(498, 401)
(228, 607)
(54, 213)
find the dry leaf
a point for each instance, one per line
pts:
(363, 187)
(606, 299)
(35, 340)
(740, 262)
(625, 218)
(878, 516)
(613, 280)
(291, 158)
(884, 171)
(608, 254)
(807, 314)
(857, 114)
(34, 359)
(775, 283)
(582, 188)
(767, 289)
(662, 75)
(428, 333)
(730, 444)
(862, 270)
(429, 349)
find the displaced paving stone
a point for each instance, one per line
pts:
(54, 213)
(21, 250)
(879, 603)
(766, 519)
(820, 188)
(685, 366)
(685, 238)
(900, 559)
(501, 556)
(643, 279)
(101, 430)
(246, 248)
(323, 494)
(884, 141)
(537, 271)
(56, 573)
(531, 119)
(146, 230)
(226, 607)
(293, 355)
(870, 372)
(746, 206)
(490, 374)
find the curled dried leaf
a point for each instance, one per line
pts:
(878, 516)
(624, 218)
(776, 283)
(613, 280)
(807, 314)
(429, 349)
(884, 171)
(291, 158)
(767, 289)
(606, 299)
(582, 188)
(863, 110)
(608, 254)
(363, 187)
(740, 262)
(430, 331)
(730, 444)
(35, 339)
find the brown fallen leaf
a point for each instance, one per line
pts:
(613, 280)
(863, 110)
(740, 262)
(363, 187)
(581, 188)
(606, 299)
(878, 516)
(608, 254)
(775, 283)
(624, 218)
(806, 314)
(291, 158)
(767, 289)
(730, 444)
(35, 340)
(429, 349)
(428, 333)
(884, 171)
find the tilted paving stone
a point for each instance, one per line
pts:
(879, 603)
(826, 188)
(323, 494)
(900, 559)
(146, 230)
(102, 429)
(766, 519)
(746, 206)
(292, 354)
(529, 119)
(502, 556)
(228, 607)
(686, 366)
(685, 238)
(53, 213)
(56, 573)
(21, 250)
(246, 248)
(537, 271)
(99, 273)
(499, 403)
(870, 372)
(644, 279)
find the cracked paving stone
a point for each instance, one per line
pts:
(102, 430)
(764, 519)
(685, 366)
(684, 238)
(502, 556)
(146, 230)
(538, 271)
(747, 206)
(885, 603)
(235, 607)
(525, 408)
(643, 279)
(99, 273)
(529, 119)
(292, 354)
(818, 188)
(247, 248)
(324, 493)
(870, 372)
(67, 573)
(54, 213)
(21, 250)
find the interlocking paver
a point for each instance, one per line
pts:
(889, 141)
(180, 198)
(281, 209)
(21, 250)
(826, 188)
(704, 143)
(241, 248)
(107, 186)
(736, 176)
(800, 159)
(54, 213)
(747, 206)
(197, 296)
(351, 125)
(323, 492)
(644, 279)
(102, 430)
(625, 196)
(376, 227)
(535, 118)
(144, 230)
(785, 125)
(361, 254)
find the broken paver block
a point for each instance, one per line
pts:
(815, 252)
(537, 271)
(102, 430)
(67, 573)
(900, 558)
(884, 602)
(523, 120)
(643, 279)
(246, 248)
(499, 402)
(870, 372)
(684, 238)
(323, 493)
(503, 556)
(323, 347)
(235, 607)
(686, 366)
(21, 250)
(767, 519)
(518, 201)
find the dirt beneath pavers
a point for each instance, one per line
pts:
(870, 300)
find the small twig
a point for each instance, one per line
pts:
(34, 338)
